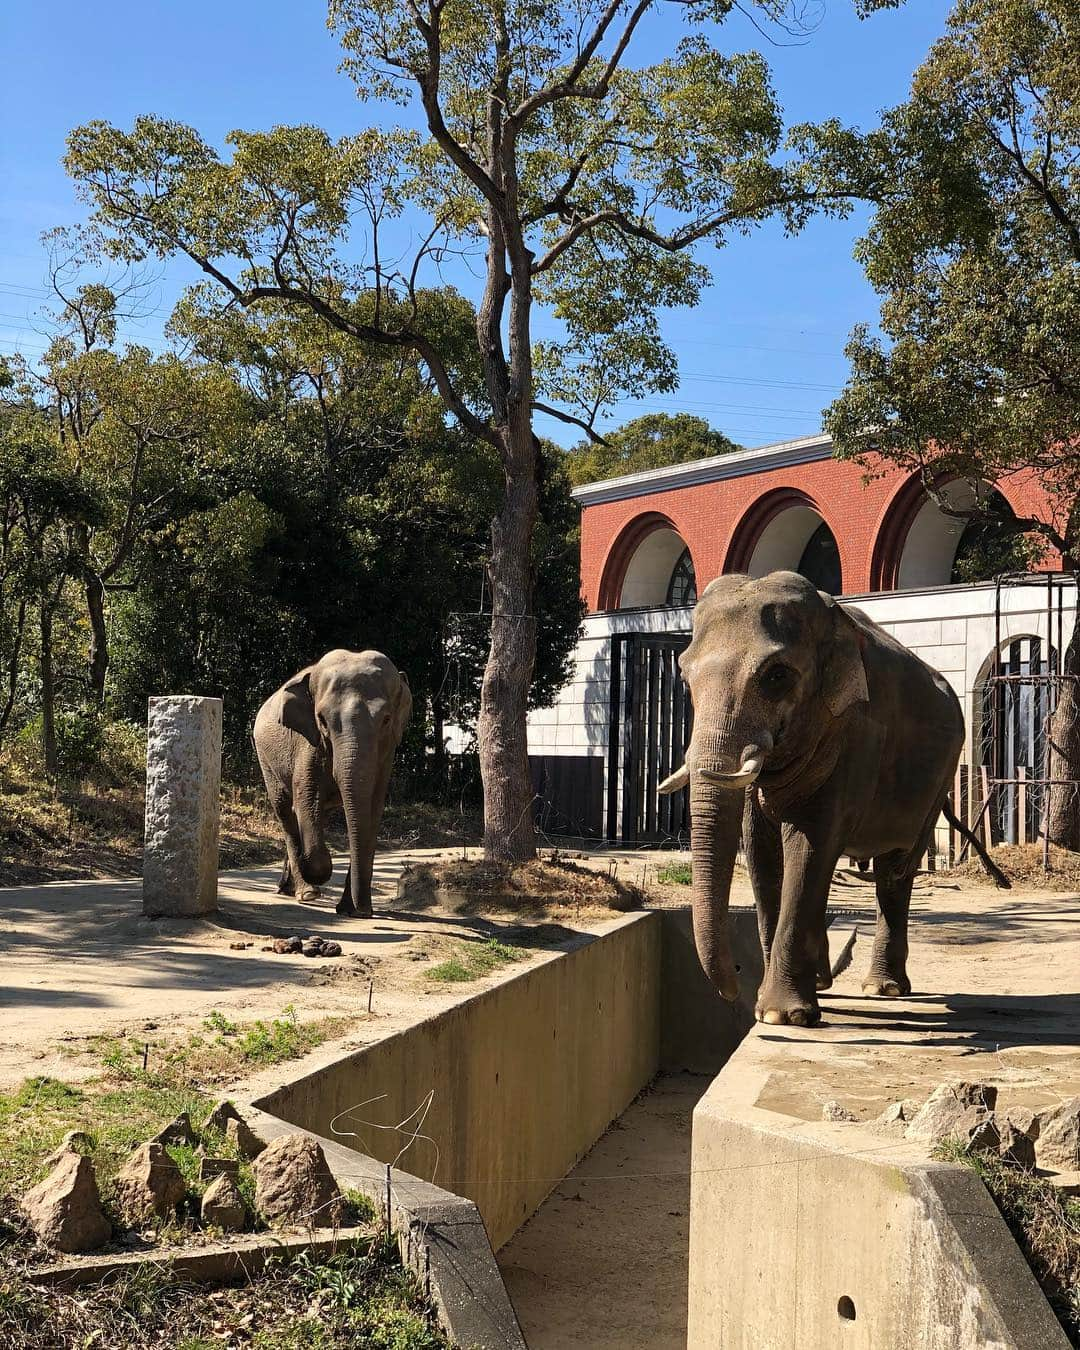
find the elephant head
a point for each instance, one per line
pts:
(772, 664)
(352, 708)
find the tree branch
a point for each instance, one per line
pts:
(570, 420)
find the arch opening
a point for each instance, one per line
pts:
(660, 571)
(942, 549)
(798, 540)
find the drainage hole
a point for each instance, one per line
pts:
(738, 968)
(846, 1309)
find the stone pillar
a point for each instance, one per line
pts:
(183, 791)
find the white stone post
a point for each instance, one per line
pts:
(183, 792)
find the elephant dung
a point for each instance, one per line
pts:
(243, 1138)
(940, 1118)
(294, 1185)
(287, 946)
(223, 1205)
(1057, 1147)
(65, 1209)
(149, 1184)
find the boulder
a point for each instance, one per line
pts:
(219, 1117)
(65, 1209)
(1057, 1147)
(294, 1185)
(835, 1111)
(898, 1113)
(149, 1185)
(1017, 1145)
(243, 1138)
(177, 1131)
(223, 1205)
(940, 1117)
(75, 1141)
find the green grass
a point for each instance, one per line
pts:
(472, 961)
(675, 874)
(1045, 1222)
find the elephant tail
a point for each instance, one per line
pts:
(996, 874)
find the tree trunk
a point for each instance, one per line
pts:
(48, 695)
(1063, 811)
(13, 667)
(509, 832)
(98, 654)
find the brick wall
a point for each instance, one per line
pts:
(714, 518)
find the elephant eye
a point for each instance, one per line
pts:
(778, 680)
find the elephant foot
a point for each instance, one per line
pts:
(823, 980)
(346, 908)
(309, 895)
(886, 986)
(789, 1010)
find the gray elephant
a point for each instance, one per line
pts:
(328, 736)
(816, 734)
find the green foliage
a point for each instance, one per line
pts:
(676, 874)
(472, 961)
(974, 249)
(648, 442)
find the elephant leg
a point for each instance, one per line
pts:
(765, 863)
(788, 994)
(888, 963)
(287, 884)
(823, 977)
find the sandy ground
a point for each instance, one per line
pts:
(629, 1290)
(80, 961)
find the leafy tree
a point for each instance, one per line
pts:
(976, 254)
(581, 182)
(647, 442)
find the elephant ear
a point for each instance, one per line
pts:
(297, 710)
(843, 680)
(404, 706)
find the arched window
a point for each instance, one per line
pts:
(682, 588)
(820, 561)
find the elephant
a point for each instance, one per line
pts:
(816, 734)
(328, 736)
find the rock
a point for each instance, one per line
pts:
(177, 1131)
(209, 1168)
(244, 1139)
(219, 1117)
(65, 1209)
(834, 1111)
(898, 1113)
(286, 946)
(75, 1141)
(239, 946)
(223, 1205)
(978, 1129)
(1016, 1145)
(294, 1185)
(940, 1117)
(149, 1184)
(1057, 1147)
(1024, 1119)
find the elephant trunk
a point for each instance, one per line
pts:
(716, 812)
(354, 783)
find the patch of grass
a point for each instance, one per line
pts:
(228, 1050)
(472, 961)
(675, 874)
(360, 1297)
(1045, 1222)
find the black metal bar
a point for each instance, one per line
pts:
(613, 756)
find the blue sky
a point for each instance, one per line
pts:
(759, 357)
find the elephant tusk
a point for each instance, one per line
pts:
(677, 780)
(748, 773)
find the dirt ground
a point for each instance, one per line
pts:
(81, 962)
(629, 1289)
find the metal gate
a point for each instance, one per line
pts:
(648, 732)
(1018, 699)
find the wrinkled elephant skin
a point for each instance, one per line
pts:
(816, 734)
(328, 736)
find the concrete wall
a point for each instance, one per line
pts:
(806, 1235)
(524, 1076)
